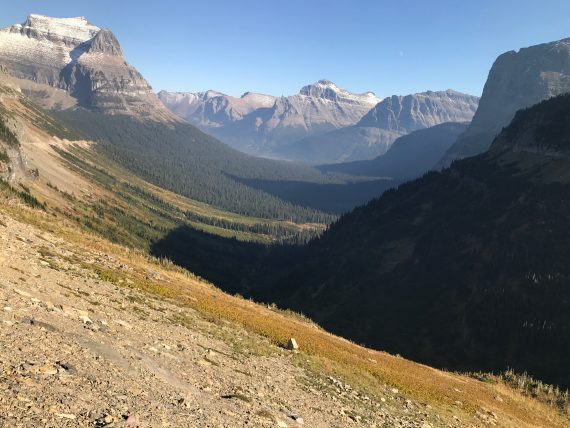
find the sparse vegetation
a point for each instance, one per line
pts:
(24, 195)
(7, 135)
(4, 158)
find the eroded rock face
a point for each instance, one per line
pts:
(516, 80)
(80, 58)
(259, 123)
(405, 114)
(390, 119)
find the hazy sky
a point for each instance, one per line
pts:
(275, 47)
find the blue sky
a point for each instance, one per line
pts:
(275, 47)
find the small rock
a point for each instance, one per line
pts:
(27, 320)
(47, 370)
(132, 421)
(85, 319)
(65, 415)
(292, 345)
(22, 293)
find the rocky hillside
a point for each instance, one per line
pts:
(516, 80)
(259, 124)
(64, 62)
(378, 129)
(463, 269)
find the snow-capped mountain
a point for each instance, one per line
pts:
(259, 124)
(390, 119)
(63, 62)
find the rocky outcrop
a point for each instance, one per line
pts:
(73, 55)
(516, 80)
(260, 124)
(391, 118)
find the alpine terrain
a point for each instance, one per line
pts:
(96, 333)
(378, 129)
(152, 274)
(261, 124)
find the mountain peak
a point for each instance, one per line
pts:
(74, 55)
(322, 89)
(69, 30)
(105, 42)
(328, 90)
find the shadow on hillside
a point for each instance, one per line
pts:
(232, 265)
(332, 198)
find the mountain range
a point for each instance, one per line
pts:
(258, 124)
(158, 345)
(323, 123)
(378, 129)
(464, 268)
(78, 71)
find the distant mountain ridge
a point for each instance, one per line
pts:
(380, 127)
(517, 79)
(409, 156)
(258, 123)
(67, 62)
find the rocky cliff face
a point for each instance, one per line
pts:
(405, 114)
(259, 124)
(391, 118)
(516, 80)
(51, 55)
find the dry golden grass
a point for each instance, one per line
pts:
(321, 352)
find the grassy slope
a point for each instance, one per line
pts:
(321, 352)
(131, 200)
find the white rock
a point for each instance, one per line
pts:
(292, 345)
